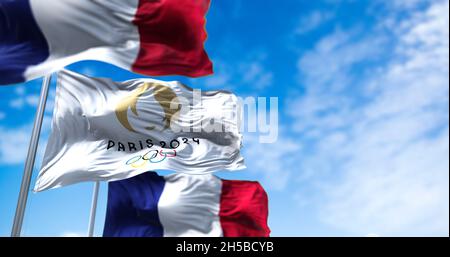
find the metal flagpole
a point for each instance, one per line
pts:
(31, 156)
(93, 209)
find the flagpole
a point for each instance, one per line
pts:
(93, 209)
(31, 156)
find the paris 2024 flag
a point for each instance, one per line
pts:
(104, 130)
(149, 205)
(151, 37)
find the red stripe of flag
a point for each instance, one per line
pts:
(243, 209)
(172, 35)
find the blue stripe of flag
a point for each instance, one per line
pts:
(129, 214)
(22, 43)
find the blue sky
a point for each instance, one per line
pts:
(363, 140)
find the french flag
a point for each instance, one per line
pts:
(151, 37)
(177, 205)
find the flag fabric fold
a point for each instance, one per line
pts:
(149, 205)
(151, 37)
(104, 130)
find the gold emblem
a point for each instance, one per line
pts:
(163, 94)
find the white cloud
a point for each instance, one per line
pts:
(23, 97)
(275, 162)
(404, 193)
(32, 100)
(20, 89)
(254, 73)
(73, 234)
(405, 4)
(250, 71)
(327, 73)
(378, 146)
(313, 21)
(23, 100)
(17, 103)
(14, 143)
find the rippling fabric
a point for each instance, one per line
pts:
(157, 37)
(104, 130)
(183, 205)
(133, 207)
(21, 41)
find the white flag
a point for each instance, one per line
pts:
(104, 130)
